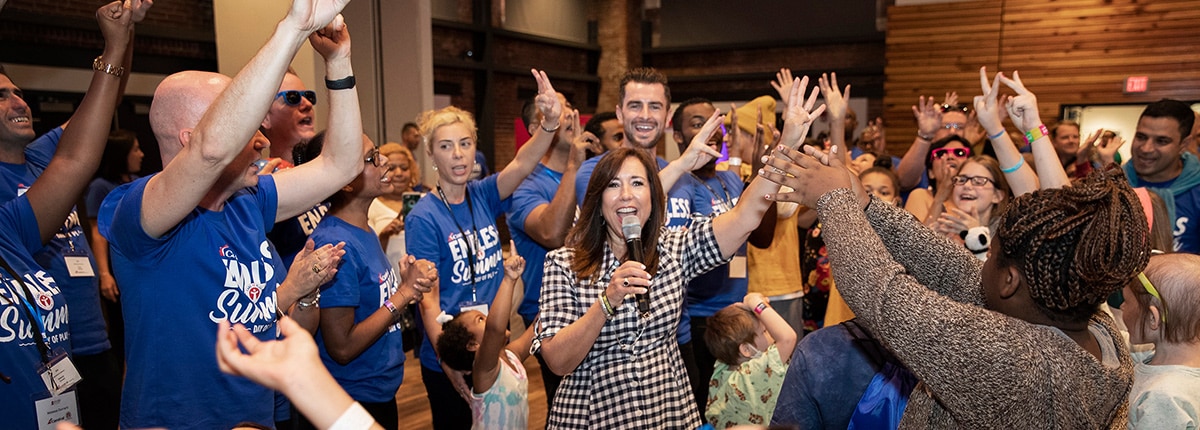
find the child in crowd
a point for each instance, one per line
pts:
(753, 345)
(472, 342)
(880, 182)
(1162, 307)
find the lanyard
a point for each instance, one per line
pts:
(42, 345)
(728, 200)
(469, 239)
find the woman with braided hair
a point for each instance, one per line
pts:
(1018, 341)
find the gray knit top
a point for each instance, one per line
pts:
(920, 294)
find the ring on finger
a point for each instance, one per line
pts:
(625, 282)
(316, 269)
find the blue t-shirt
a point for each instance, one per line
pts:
(289, 235)
(679, 215)
(537, 189)
(88, 330)
(212, 266)
(712, 291)
(1186, 226)
(364, 279)
(431, 233)
(19, 355)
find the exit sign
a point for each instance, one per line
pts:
(1137, 84)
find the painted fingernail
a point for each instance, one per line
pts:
(765, 158)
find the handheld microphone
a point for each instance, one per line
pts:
(631, 227)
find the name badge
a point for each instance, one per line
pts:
(79, 267)
(60, 375)
(56, 409)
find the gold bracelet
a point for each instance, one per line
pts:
(100, 66)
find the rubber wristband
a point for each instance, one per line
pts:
(735, 161)
(997, 135)
(391, 307)
(762, 306)
(341, 84)
(1037, 133)
(1020, 162)
(354, 418)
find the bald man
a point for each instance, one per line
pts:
(189, 244)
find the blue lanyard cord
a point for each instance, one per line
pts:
(469, 239)
(728, 200)
(30, 312)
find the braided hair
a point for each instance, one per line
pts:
(1076, 245)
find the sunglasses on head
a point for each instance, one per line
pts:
(292, 97)
(962, 107)
(956, 152)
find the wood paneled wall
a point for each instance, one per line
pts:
(1067, 52)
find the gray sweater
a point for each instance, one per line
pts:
(920, 294)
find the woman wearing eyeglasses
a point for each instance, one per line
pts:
(1162, 308)
(945, 157)
(360, 338)
(455, 226)
(976, 195)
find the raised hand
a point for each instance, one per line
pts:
(874, 134)
(987, 105)
(954, 220)
(951, 99)
(799, 116)
(1022, 108)
(783, 84)
(271, 364)
(314, 267)
(115, 22)
(1108, 149)
(308, 16)
(835, 101)
(418, 279)
(138, 8)
(547, 101)
(514, 265)
(333, 40)
(583, 140)
(928, 115)
(698, 153)
(810, 174)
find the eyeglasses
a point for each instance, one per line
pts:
(292, 97)
(956, 152)
(374, 159)
(961, 107)
(954, 126)
(1153, 292)
(977, 181)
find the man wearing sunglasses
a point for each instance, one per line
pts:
(935, 121)
(189, 244)
(289, 122)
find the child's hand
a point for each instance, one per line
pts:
(514, 265)
(753, 299)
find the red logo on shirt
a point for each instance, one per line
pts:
(45, 301)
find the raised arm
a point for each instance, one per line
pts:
(733, 227)
(987, 110)
(1023, 109)
(341, 157)
(276, 364)
(547, 224)
(780, 330)
(527, 157)
(230, 122)
(912, 165)
(836, 107)
(54, 194)
(487, 356)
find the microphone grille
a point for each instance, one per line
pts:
(631, 227)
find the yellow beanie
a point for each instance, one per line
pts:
(748, 113)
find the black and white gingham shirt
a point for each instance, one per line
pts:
(633, 376)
